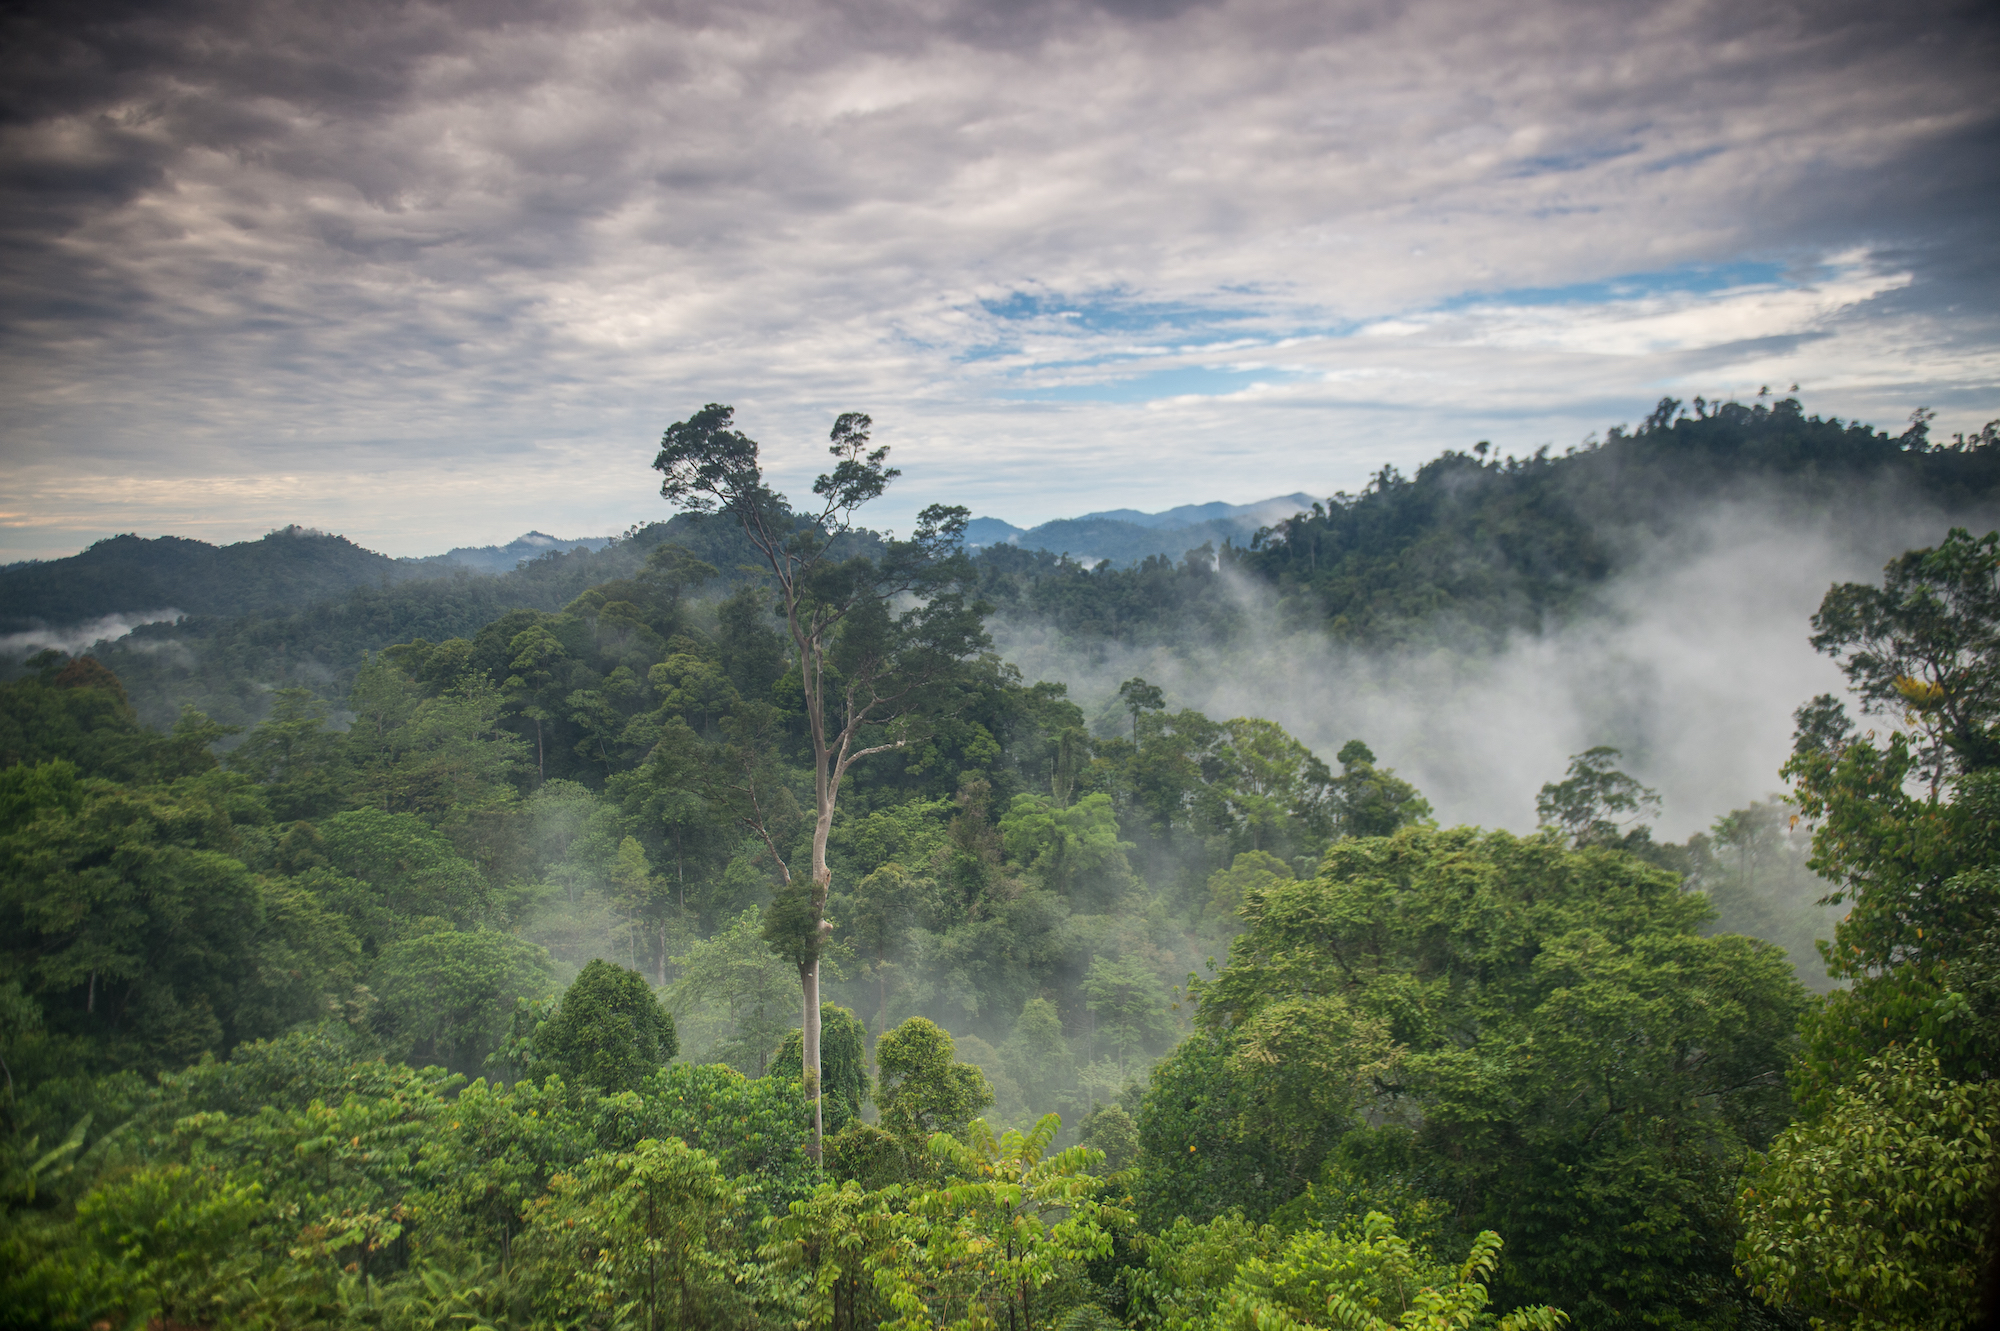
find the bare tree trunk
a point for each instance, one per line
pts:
(809, 1032)
(826, 789)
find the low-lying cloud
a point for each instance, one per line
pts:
(1693, 667)
(76, 639)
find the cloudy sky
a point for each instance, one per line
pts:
(434, 274)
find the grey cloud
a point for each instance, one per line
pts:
(77, 638)
(395, 227)
(1692, 669)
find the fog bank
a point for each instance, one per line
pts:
(1692, 666)
(76, 639)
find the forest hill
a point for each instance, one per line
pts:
(1315, 1054)
(1470, 547)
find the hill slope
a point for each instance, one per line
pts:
(1472, 545)
(225, 659)
(1126, 536)
(1468, 544)
(131, 574)
(287, 569)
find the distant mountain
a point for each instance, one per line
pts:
(1126, 536)
(1250, 516)
(982, 532)
(125, 575)
(506, 558)
(247, 619)
(135, 578)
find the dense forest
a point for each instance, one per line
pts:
(1470, 547)
(130, 576)
(443, 956)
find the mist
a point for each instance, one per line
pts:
(75, 639)
(1691, 663)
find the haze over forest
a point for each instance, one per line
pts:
(550, 829)
(1687, 649)
(1075, 665)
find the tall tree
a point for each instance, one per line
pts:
(1140, 697)
(609, 1032)
(1923, 648)
(1595, 803)
(875, 642)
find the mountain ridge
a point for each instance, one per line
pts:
(276, 573)
(1127, 535)
(506, 558)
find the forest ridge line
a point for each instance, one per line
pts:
(490, 999)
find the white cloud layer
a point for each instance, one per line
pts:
(432, 274)
(1693, 669)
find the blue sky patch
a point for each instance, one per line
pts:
(1691, 278)
(1114, 312)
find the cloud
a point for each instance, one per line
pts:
(452, 267)
(1692, 666)
(79, 638)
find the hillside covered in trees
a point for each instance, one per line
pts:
(1468, 549)
(451, 970)
(1474, 545)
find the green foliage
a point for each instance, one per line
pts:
(1111, 1132)
(843, 1054)
(735, 975)
(1752, 866)
(610, 759)
(1075, 851)
(1585, 805)
(1140, 697)
(1480, 546)
(756, 1128)
(129, 920)
(1874, 1214)
(1372, 801)
(866, 1155)
(1036, 1055)
(1249, 873)
(1492, 544)
(1006, 1236)
(255, 618)
(301, 1182)
(1579, 1065)
(640, 1237)
(1130, 1006)
(1211, 1141)
(285, 569)
(301, 764)
(609, 1032)
(1916, 871)
(1230, 1274)
(879, 647)
(441, 757)
(922, 1089)
(151, 1238)
(1871, 1211)
(449, 994)
(1193, 786)
(1924, 647)
(77, 712)
(411, 869)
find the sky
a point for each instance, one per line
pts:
(434, 275)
